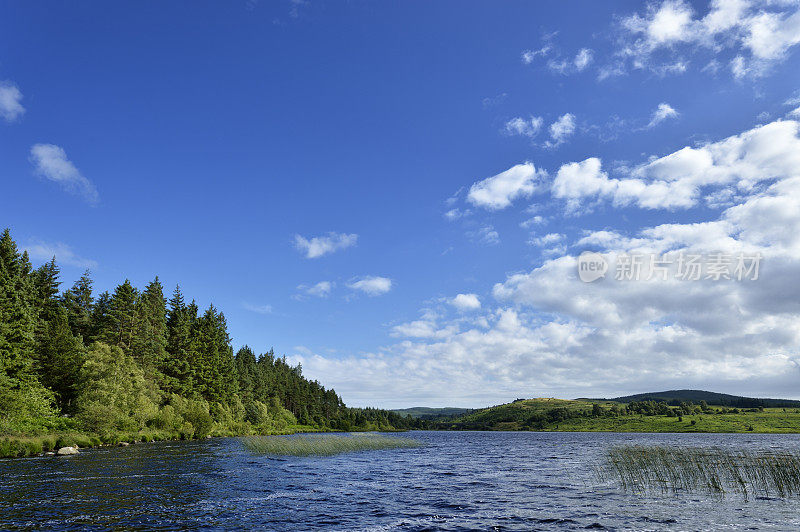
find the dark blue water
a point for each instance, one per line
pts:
(457, 481)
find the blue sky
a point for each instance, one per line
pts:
(211, 143)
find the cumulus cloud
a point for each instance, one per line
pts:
(51, 162)
(323, 245)
(561, 130)
(549, 332)
(758, 32)
(679, 180)
(525, 127)
(466, 302)
(372, 285)
(662, 112)
(40, 250)
(10, 101)
(497, 192)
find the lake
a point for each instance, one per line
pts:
(456, 481)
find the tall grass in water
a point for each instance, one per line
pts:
(712, 470)
(324, 444)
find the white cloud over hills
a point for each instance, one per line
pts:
(548, 333)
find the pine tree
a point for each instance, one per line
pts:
(150, 335)
(45, 287)
(61, 356)
(101, 325)
(215, 371)
(79, 303)
(177, 366)
(121, 318)
(20, 391)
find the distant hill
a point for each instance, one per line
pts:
(424, 412)
(675, 397)
(725, 413)
(522, 414)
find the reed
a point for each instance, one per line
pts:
(695, 469)
(324, 444)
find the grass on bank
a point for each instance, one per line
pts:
(711, 470)
(563, 415)
(769, 421)
(324, 444)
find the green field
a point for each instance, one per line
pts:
(583, 416)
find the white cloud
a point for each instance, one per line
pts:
(466, 302)
(10, 102)
(547, 331)
(528, 56)
(485, 235)
(579, 63)
(547, 240)
(758, 32)
(678, 180)
(372, 285)
(526, 127)
(794, 113)
(258, 309)
(535, 220)
(322, 245)
(770, 35)
(424, 328)
(50, 161)
(739, 67)
(497, 192)
(43, 251)
(671, 22)
(455, 214)
(583, 59)
(320, 289)
(561, 130)
(662, 112)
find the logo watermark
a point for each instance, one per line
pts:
(680, 266)
(591, 266)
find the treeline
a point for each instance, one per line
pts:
(132, 361)
(676, 397)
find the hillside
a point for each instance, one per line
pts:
(675, 397)
(584, 415)
(522, 414)
(424, 412)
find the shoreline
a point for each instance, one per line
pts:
(19, 446)
(23, 446)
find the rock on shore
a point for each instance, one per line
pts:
(66, 451)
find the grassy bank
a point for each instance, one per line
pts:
(324, 445)
(710, 470)
(770, 421)
(25, 445)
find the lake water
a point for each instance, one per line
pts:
(457, 481)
